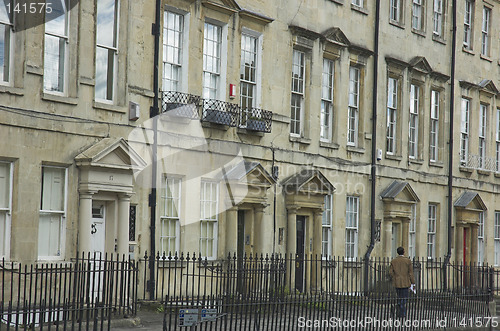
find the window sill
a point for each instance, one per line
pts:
(438, 39)
(397, 24)
(420, 33)
(465, 169)
(393, 157)
(340, 2)
(486, 58)
(250, 132)
(59, 98)
(436, 164)
(354, 149)
(415, 161)
(300, 140)
(483, 172)
(14, 90)
(360, 10)
(467, 50)
(330, 145)
(109, 107)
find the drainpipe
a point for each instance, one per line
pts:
(154, 112)
(373, 172)
(450, 144)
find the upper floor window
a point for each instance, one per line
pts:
(249, 80)
(358, 3)
(209, 204)
(212, 44)
(106, 49)
(351, 227)
(173, 24)
(417, 15)
(5, 207)
(438, 18)
(326, 238)
(485, 32)
(326, 116)
(52, 213)
(297, 103)
(483, 110)
(468, 23)
(170, 215)
(6, 40)
(392, 114)
(395, 11)
(353, 111)
(434, 130)
(414, 119)
(55, 55)
(464, 131)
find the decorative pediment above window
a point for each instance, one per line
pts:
(247, 182)
(255, 17)
(468, 207)
(420, 65)
(228, 7)
(398, 198)
(487, 86)
(307, 189)
(303, 38)
(335, 36)
(396, 66)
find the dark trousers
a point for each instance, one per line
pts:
(402, 299)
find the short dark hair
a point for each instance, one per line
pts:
(401, 250)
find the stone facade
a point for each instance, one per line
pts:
(230, 179)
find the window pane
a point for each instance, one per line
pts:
(105, 61)
(53, 189)
(106, 23)
(4, 52)
(56, 20)
(49, 235)
(54, 57)
(4, 185)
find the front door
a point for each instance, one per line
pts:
(299, 255)
(395, 239)
(98, 229)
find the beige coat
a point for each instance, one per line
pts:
(402, 272)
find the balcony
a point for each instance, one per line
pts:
(220, 112)
(254, 119)
(478, 162)
(180, 104)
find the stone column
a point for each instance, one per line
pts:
(459, 244)
(123, 224)
(405, 234)
(315, 281)
(260, 232)
(231, 231)
(473, 243)
(85, 221)
(387, 232)
(291, 244)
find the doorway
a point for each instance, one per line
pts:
(396, 239)
(98, 229)
(299, 255)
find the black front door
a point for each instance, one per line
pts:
(299, 256)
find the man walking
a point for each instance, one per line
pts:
(401, 272)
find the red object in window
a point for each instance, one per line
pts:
(232, 90)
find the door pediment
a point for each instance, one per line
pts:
(468, 207)
(398, 198)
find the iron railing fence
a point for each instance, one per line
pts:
(67, 295)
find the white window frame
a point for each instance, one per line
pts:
(432, 230)
(211, 217)
(353, 109)
(166, 216)
(326, 228)
(497, 141)
(61, 213)
(327, 90)
(434, 128)
(468, 23)
(464, 131)
(483, 113)
(412, 233)
(352, 228)
(417, 15)
(395, 11)
(218, 74)
(109, 48)
(173, 55)
(392, 116)
(7, 211)
(298, 90)
(485, 31)
(496, 233)
(255, 84)
(63, 39)
(413, 131)
(7, 22)
(358, 3)
(480, 238)
(438, 18)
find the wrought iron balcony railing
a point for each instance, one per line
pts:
(478, 162)
(180, 104)
(255, 119)
(220, 112)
